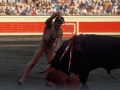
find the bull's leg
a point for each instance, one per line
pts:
(83, 78)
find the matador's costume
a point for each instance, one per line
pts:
(46, 44)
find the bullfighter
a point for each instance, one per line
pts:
(52, 32)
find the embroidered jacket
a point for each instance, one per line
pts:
(50, 35)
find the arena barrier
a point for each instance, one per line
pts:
(34, 25)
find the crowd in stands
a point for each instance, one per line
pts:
(65, 7)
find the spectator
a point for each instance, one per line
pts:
(53, 9)
(86, 4)
(64, 12)
(12, 7)
(81, 5)
(28, 13)
(98, 11)
(109, 10)
(72, 3)
(19, 3)
(114, 3)
(7, 11)
(93, 10)
(83, 10)
(57, 6)
(13, 13)
(78, 11)
(53, 4)
(33, 11)
(118, 6)
(65, 7)
(17, 13)
(23, 13)
(2, 13)
(114, 11)
(89, 10)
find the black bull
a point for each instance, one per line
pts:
(89, 52)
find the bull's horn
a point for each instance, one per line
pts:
(43, 71)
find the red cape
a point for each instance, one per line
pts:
(61, 80)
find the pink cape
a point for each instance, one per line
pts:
(61, 80)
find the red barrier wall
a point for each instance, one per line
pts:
(75, 27)
(99, 27)
(17, 27)
(34, 27)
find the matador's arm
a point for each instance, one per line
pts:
(49, 20)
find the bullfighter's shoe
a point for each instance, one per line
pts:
(19, 83)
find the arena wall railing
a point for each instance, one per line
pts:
(34, 25)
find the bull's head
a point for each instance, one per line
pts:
(63, 63)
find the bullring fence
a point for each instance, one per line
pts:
(34, 25)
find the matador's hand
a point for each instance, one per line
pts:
(56, 14)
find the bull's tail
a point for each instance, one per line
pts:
(108, 71)
(112, 76)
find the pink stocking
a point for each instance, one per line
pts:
(27, 70)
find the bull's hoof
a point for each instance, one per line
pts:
(49, 84)
(84, 87)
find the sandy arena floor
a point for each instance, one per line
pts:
(15, 53)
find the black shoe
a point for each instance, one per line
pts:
(19, 83)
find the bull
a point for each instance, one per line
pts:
(89, 52)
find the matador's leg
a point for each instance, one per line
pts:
(49, 53)
(33, 61)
